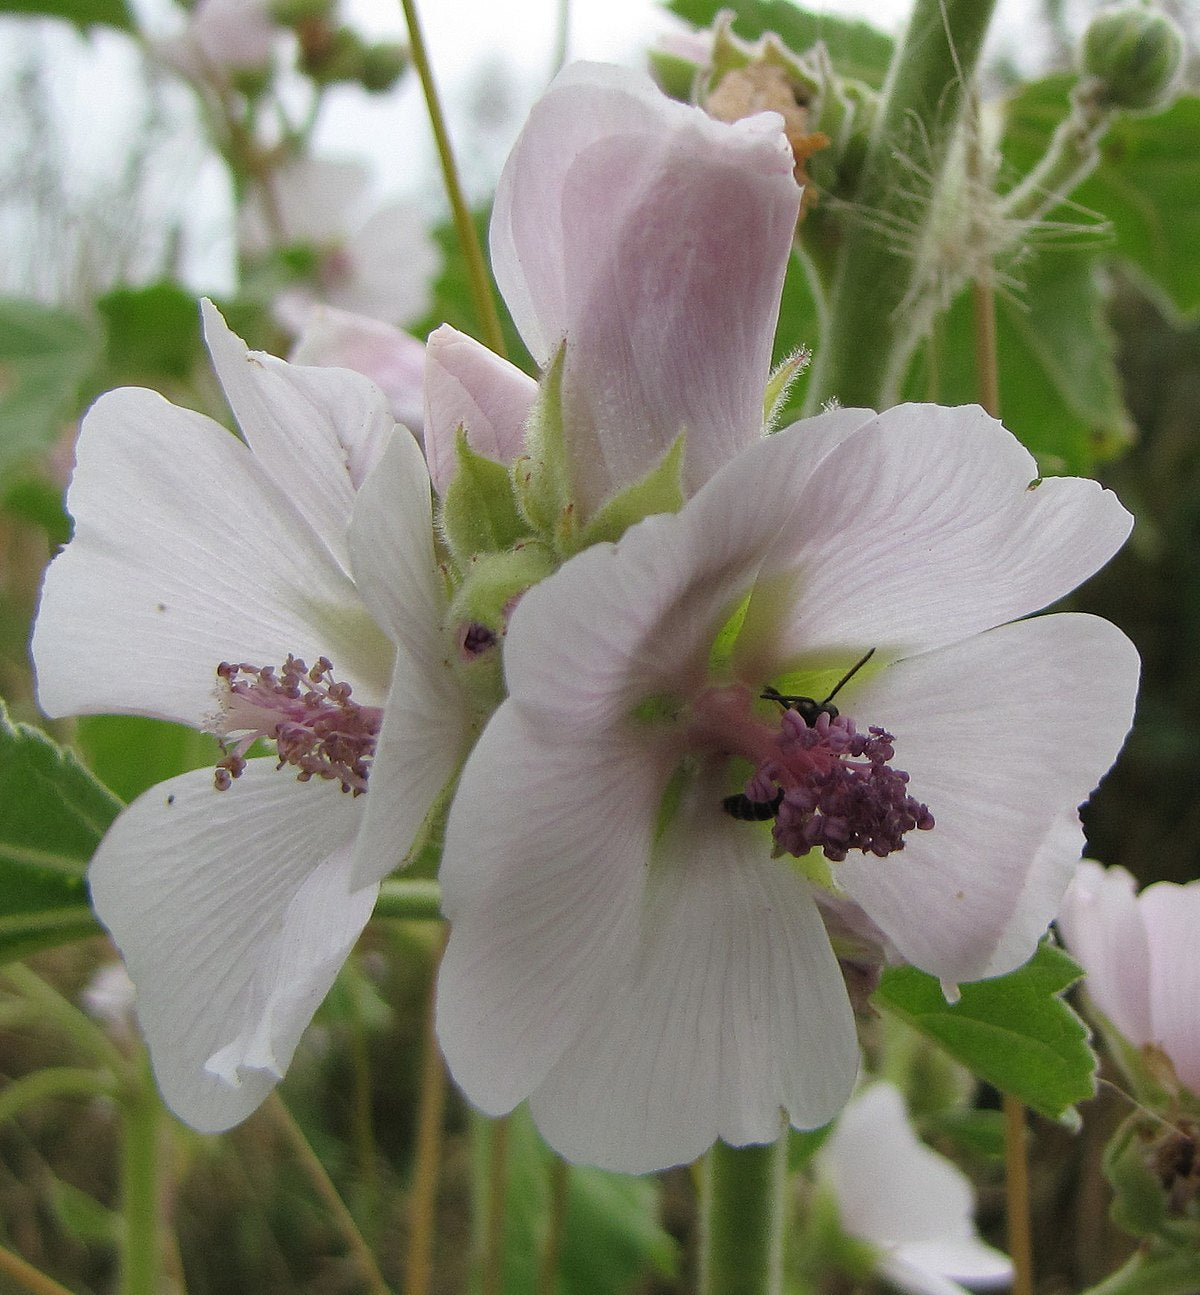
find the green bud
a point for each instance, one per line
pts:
(331, 55)
(383, 65)
(1134, 54)
(1148, 1163)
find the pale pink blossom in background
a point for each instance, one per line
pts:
(234, 909)
(629, 956)
(912, 1206)
(222, 37)
(1139, 953)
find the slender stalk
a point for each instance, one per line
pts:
(141, 1246)
(410, 899)
(867, 342)
(323, 1185)
(27, 1276)
(431, 1107)
(742, 1220)
(481, 285)
(58, 1011)
(1016, 1195)
(560, 1178)
(987, 376)
(57, 1081)
(362, 1132)
(493, 1252)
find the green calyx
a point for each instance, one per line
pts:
(659, 491)
(539, 476)
(1134, 55)
(479, 512)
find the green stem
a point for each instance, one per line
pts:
(481, 284)
(59, 1081)
(497, 1207)
(141, 1250)
(410, 899)
(27, 1276)
(868, 341)
(560, 1181)
(1016, 1193)
(742, 1220)
(58, 1011)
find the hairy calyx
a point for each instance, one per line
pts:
(309, 715)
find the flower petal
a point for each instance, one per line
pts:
(923, 529)
(468, 386)
(317, 432)
(393, 261)
(185, 554)
(999, 733)
(1101, 922)
(654, 240)
(233, 913)
(1171, 914)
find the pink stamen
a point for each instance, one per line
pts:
(307, 714)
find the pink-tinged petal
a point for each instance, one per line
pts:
(392, 261)
(621, 622)
(425, 722)
(391, 358)
(233, 913)
(654, 240)
(999, 733)
(318, 432)
(731, 1011)
(468, 386)
(537, 901)
(923, 529)
(897, 1194)
(1171, 914)
(1101, 923)
(186, 554)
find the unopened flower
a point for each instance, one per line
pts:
(1139, 953)
(630, 949)
(280, 588)
(910, 1205)
(380, 264)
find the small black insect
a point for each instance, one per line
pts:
(745, 810)
(808, 708)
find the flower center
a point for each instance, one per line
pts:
(825, 784)
(305, 712)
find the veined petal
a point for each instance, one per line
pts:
(998, 733)
(538, 901)
(926, 527)
(732, 1011)
(1170, 913)
(654, 240)
(1101, 922)
(317, 432)
(233, 913)
(186, 554)
(468, 386)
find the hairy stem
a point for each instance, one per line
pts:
(742, 1220)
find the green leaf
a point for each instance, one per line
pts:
(153, 333)
(45, 355)
(1015, 1031)
(1144, 187)
(55, 813)
(610, 1235)
(857, 49)
(83, 13)
(1059, 389)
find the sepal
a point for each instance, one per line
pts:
(659, 491)
(1153, 1166)
(479, 513)
(540, 479)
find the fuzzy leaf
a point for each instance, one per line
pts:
(1015, 1031)
(53, 813)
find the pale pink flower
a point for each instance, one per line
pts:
(626, 951)
(235, 908)
(1139, 953)
(222, 37)
(653, 241)
(912, 1206)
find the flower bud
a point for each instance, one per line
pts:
(382, 66)
(1135, 56)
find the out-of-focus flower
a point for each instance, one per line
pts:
(204, 573)
(380, 265)
(223, 37)
(653, 241)
(910, 1205)
(628, 951)
(109, 997)
(1139, 953)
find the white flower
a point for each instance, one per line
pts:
(905, 1200)
(223, 36)
(626, 952)
(234, 909)
(380, 264)
(1139, 953)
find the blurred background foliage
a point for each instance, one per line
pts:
(1100, 373)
